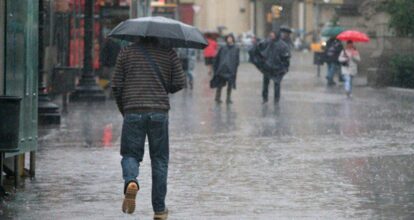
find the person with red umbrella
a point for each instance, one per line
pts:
(210, 53)
(349, 57)
(354, 36)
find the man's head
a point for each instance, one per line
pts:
(285, 32)
(285, 35)
(273, 35)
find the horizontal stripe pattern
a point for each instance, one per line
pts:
(136, 85)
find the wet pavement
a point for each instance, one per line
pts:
(316, 155)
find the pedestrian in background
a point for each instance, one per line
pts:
(142, 72)
(332, 52)
(285, 35)
(210, 53)
(349, 59)
(276, 64)
(108, 56)
(225, 69)
(188, 61)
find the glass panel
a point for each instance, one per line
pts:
(2, 7)
(15, 49)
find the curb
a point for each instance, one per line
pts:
(401, 91)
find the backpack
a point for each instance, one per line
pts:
(333, 51)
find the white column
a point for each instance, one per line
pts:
(302, 17)
(261, 19)
(252, 16)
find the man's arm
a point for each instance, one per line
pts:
(118, 81)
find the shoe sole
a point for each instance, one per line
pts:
(161, 216)
(128, 206)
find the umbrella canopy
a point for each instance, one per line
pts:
(354, 36)
(170, 32)
(332, 31)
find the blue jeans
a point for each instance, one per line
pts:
(348, 83)
(190, 76)
(134, 131)
(332, 69)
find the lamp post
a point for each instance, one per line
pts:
(88, 89)
(48, 112)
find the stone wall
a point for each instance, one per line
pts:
(235, 15)
(384, 44)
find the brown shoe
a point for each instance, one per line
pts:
(128, 206)
(161, 215)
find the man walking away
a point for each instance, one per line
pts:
(277, 62)
(144, 75)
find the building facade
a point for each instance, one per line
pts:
(305, 17)
(231, 16)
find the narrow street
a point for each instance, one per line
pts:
(316, 155)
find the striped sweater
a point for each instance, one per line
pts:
(135, 84)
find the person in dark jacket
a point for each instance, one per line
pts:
(225, 69)
(108, 57)
(188, 60)
(142, 98)
(285, 33)
(276, 64)
(332, 52)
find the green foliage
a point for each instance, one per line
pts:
(402, 16)
(402, 68)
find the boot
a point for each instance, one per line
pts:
(228, 100)
(218, 95)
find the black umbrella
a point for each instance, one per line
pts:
(170, 32)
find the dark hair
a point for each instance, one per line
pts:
(232, 37)
(349, 42)
(275, 31)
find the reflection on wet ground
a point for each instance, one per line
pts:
(316, 155)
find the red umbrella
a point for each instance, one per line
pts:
(354, 36)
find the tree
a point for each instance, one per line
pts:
(402, 16)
